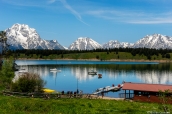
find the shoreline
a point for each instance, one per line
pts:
(113, 60)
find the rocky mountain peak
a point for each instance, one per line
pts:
(84, 43)
(156, 41)
(21, 36)
(116, 44)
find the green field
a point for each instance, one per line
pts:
(18, 105)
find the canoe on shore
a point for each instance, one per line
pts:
(46, 90)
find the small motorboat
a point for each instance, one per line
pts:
(99, 75)
(92, 73)
(55, 69)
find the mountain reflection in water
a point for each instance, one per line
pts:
(73, 76)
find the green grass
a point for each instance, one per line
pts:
(94, 55)
(16, 105)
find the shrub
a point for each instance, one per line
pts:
(97, 57)
(28, 82)
(167, 55)
(7, 72)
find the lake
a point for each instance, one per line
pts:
(73, 74)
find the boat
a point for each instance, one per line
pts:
(46, 90)
(54, 69)
(99, 75)
(92, 73)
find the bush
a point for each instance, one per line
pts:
(167, 55)
(7, 72)
(97, 57)
(28, 82)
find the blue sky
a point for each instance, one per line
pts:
(101, 20)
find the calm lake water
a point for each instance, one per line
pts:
(74, 74)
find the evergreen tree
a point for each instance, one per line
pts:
(168, 55)
(7, 72)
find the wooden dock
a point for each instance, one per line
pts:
(108, 88)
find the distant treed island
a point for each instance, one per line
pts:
(97, 54)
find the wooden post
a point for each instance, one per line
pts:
(125, 94)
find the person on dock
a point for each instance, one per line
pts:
(98, 95)
(62, 92)
(102, 94)
(80, 93)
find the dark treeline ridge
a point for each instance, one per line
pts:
(141, 51)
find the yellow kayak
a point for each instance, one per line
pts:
(48, 90)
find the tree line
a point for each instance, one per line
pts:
(165, 53)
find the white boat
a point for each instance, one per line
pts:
(55, 69)
(92, 73)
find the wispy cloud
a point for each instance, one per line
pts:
(74, 12)
(135, 17)
(51, 1)
(152, 20)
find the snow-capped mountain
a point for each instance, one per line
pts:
(126, 44)
(21, 36)
(116, 44)
(155, 41)
(84, 43)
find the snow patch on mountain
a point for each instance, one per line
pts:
(84, 43)
(116, 44)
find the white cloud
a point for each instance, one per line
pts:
(66, 5)
(152, 21)
(135, 17)
(74, 12)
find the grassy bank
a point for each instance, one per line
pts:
(120, 56)
(16, 105)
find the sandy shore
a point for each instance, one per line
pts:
(104, 97)
(111, 98)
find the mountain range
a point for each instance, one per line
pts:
(21, 36)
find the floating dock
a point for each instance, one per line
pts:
(108, 88)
